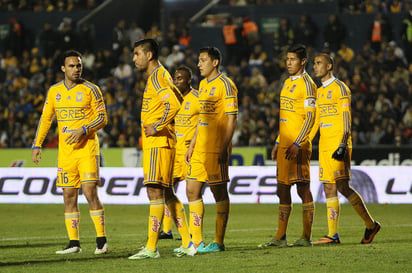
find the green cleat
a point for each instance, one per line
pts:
(212, 247)
(274, 242)
(145, 253)
(201, 246)
(302, 242)
(190, 251)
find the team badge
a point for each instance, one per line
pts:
(79, 96)
(292, 88)
(58, 97)
(329, 96)
(187, 105)
(212, 91)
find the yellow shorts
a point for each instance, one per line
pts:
(332, 170)
(204, 167)
(290, 172)
(71, 173)
(180, 168)
(158, 166)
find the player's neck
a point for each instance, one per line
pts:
(69, 84)
(213, 74)
(326, 77)
(298, 73)
(152, 66)
(186, 91)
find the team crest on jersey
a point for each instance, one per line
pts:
(292, 88)
(329, 96)
(187, 105)
(58, 97)
(212, 91)
(79, 96)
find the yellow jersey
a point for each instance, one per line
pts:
(217, 100)
(297, 111)
(80, 106)
(159, 107)
(186, 121)
(333, 115)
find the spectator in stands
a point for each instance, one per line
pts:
(175, 58)
(334, 32)
(306, 31)
(134, 33)
(284, 36)
(379, 31)
(48, 40)
(346, 52)
(231, 36)
(120, 37)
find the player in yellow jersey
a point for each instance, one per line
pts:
(333, 116)
(210, 148)
(293, 148)
(185, 127)
(161, 102)
(80, 112)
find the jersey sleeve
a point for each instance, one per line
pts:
(171, 103)
(230, 98)
(315, 127)
(310, 110)
(99, 116)
(345, 106)
(44, 123)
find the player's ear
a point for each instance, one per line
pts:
(150, 55)
(215, 63)
(63, 68)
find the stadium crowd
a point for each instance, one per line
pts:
(378, 76)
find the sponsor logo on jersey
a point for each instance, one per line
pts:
(323, 125)
(286, 104)
(310, 103)
(327, 109)
(66, 130)
(233, 104)
(58, 97)
(90, 175)
(79, 96)
(70, 114)
(207, 107)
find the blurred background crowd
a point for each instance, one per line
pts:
(378, 74)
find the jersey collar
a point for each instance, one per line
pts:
(297, 77)
(329, 81)
(214, 78)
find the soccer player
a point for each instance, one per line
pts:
(210, 148)
(293, 149)
(161, 102)
(333, 116)
(80, 112)
(185, 126)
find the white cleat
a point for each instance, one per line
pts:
(102, 250)
(69, 250)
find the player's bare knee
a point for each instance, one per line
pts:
(344, 188)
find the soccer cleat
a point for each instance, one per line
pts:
(177, 249)
(274, 242)
(200, 246)
(102, 250)
(163, 235)
(212, 247)
(145, 253)
(327, 240)
(190, 251)
(370, 234)
(302, 242)
(70, 249)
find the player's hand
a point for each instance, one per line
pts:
(36, 156)
(149, 130)
(188, 155)
(274, 153)
(340, 152)
(292, 152)
(223, 157)
(75, 136)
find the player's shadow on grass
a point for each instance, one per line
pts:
(29, 245)
(63, 259)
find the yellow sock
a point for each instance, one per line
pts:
(157, 208)
(222, 215)
(99, 223)
(197, 210)
(332, 205)
(307, 211)
(357, 202)
(72, 220)
(167, 221)
(177, 211)
(284, 213)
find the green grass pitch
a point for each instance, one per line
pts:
(31, 233)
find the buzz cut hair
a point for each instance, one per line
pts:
(328, 59)
(213, 52)
(185, 68)
(299, 50)
(69, 53)
(149, 45)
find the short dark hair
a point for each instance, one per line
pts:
(69, 53)
(149, 45)
(185, 68)
(328, 59)
(300, 51)
(213, 52)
